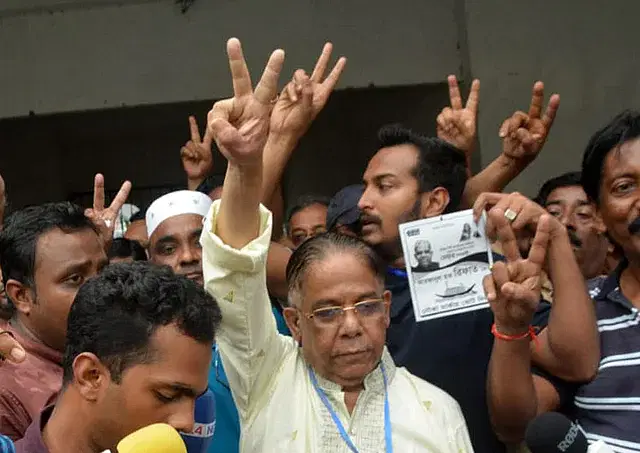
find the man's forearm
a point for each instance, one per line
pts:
(276, 205)
(238, 222)
(277, 152)
(571, 346)
(494, 178)
(510, 390)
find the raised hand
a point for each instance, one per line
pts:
(304, 97)
(525, 212)
(457, 124)
(240, 125)
(105, 218)
(513, 287)
(197, 160)
(524, 134)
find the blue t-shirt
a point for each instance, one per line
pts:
(226, 437)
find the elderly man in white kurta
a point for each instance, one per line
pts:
(295, 394)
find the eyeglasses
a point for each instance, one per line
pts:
(331, 316)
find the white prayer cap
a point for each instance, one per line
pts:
(176, 203)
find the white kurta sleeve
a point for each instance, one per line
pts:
(250, 346)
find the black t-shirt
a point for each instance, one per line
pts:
(452, 353)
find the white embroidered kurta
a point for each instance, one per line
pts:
(278, 406)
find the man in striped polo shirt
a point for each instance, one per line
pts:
(608, 407)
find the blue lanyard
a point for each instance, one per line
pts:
(397, 272)
(338, 423)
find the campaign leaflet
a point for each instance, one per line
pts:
(446, 259)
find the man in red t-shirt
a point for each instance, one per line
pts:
(46, 253)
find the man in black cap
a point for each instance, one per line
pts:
(343, 214)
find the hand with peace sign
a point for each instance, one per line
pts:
(240, 125)
(105, 218)
(524, 134)
(304, 97)
(458, 124)
(197, 160)
(513, 287)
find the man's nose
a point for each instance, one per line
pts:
(351, 326)
(183, 418)
(568, 220)
(190, 255)
(365, 201)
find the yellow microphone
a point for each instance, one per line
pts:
(158, 438)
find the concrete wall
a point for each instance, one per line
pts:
(78, 55)
(60, 56)
(585, 51)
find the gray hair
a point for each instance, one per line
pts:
(320, 247)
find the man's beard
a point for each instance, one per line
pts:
(390, 252)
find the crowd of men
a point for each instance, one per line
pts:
(301, 323)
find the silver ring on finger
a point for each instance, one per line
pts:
(510, 215)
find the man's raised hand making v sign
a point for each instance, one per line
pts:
(240, 127)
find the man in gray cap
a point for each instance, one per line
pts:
(343, 214)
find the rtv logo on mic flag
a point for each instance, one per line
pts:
(570, 438)
(554, 433)
(199, 440)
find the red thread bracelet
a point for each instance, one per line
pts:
(530, 333)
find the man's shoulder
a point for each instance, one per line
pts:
(31, 442)
(14, 416)
(30, 379)
(25, 389)
(431, 396)
(16, 383)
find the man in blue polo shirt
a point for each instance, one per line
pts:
(607, 407)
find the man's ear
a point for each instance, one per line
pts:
(386, 296)
(434, 202)
(292, 318)
(90, 376)
(21, 295)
